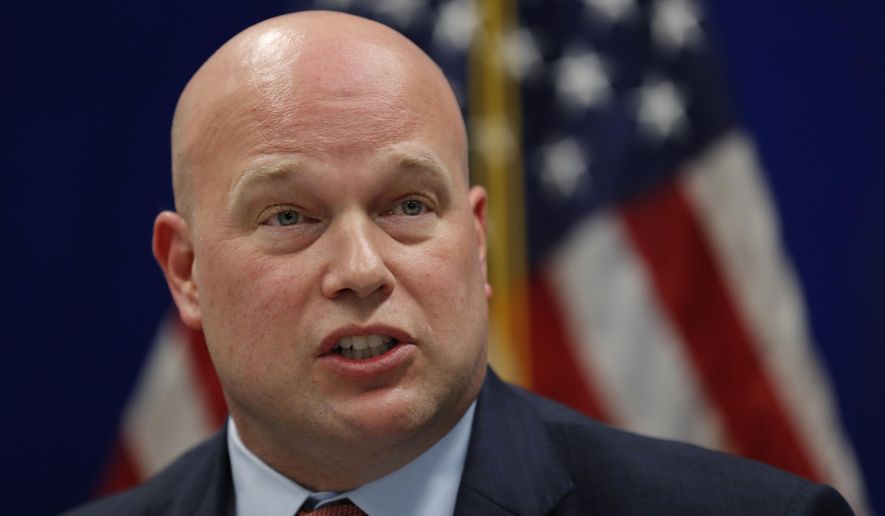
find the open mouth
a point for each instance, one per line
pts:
(361, 347)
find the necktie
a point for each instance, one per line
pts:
(343, 508)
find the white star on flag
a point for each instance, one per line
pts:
(402, 12)
(563, 166)
(676, 24)
(521, 55)
(581, 80)
(612, 11)
(455, 25)
(661, 111)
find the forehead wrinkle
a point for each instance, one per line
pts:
(314, 127)
(300, 120)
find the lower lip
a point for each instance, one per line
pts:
(394, 358)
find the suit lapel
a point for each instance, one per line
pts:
(208, 489)
(511, 466)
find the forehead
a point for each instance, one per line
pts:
(342, 96)
(338, 86)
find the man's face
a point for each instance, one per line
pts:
(332, 211)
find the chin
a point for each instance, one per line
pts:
(394, 416)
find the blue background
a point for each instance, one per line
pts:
(88, 90)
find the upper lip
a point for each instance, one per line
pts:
(331, 340)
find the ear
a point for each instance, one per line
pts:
(478, 199)
(174, 250)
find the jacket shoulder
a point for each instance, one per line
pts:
(190, 484)
(618, 472)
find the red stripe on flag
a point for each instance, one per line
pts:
(205, 376)
(555, 372)
(121, 471)
(665, 231)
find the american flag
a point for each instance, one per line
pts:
(638, 269)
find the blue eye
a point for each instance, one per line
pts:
(288, 217)
(412, 207)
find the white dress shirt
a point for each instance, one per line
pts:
(427, 486)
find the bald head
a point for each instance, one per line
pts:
(281, 72)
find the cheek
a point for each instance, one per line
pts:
(232, 282)
(452, 298)
(447, 281)
(245, 277)
(248, 305)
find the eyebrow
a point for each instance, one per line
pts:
(262, 174)
(421, 161)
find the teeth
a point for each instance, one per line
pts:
(375, 341)
(358, 347)
(360, 342)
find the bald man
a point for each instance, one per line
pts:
(328, 243)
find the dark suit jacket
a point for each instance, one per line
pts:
(530, 456)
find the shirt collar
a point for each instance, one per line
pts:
(427, 486)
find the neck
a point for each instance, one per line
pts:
(320, 465)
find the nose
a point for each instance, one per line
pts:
(356, 265)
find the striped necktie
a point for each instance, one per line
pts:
(341, 508)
